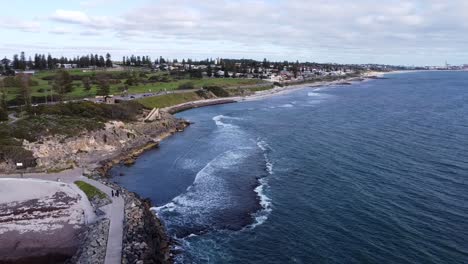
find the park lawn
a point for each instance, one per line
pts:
(197, 83)
(44, 87)
(168, 100)
(90, 190)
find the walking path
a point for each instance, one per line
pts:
(113, 211)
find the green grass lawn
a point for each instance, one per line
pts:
(44, 87)
(169, 100)
(90, 190)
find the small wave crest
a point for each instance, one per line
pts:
(219, 120)
(262, 215)
(265, 202)
(314, 94)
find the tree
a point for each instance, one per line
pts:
(22, 61)
(103, 85)
(186, 86)
(86, 83)
(3, 114)
(209, 70)
(3, 103)
(25, 89)
(196, 74)
(102, 62)
(16, 62)
(50, 62)
(226, 73)
(132, 79)
(62, 82)
(108, 61)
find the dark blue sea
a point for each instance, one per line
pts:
(374, 172)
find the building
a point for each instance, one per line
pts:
(29, 72)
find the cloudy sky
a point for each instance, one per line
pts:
(411, 32)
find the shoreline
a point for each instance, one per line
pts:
(276, 90)
(129, 155)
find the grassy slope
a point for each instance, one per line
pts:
(90, 190)
(79, 92)
(169, 100)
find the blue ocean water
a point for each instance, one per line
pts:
(374, 172)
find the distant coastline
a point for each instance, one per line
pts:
(152, 133)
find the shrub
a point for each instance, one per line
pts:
(3, 114)
(125, 111)
(218, 91)
(186, 86)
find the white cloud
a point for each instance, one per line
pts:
(361, 27)
(96, 3)
(60, 30)
(25, 26)
(72, 17)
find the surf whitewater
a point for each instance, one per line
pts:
(207, 205)
(342, 174)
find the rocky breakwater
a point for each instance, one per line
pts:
(93, 243)
(144, 237)
(91, 149)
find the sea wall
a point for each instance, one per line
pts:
(190, 105)
(145, 239)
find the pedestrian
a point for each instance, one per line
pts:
(117, 193)
(112, 192)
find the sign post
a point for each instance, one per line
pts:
(19, 166)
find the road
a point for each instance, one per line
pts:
(113, 211)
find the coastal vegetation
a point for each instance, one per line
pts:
(65, 119)
(56, 85)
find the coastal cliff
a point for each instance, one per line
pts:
(92, 149)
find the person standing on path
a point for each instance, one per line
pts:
(112, 193)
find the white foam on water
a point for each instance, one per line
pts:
(208, 193)
(262, 215)
(314, 102)
(313, 94)
(219, 120)
(266, 148)
(188, 164)
(286, 106)
(265, 202)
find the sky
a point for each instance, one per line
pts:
(398, 32)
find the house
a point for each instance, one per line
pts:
(66, 66)
(29, 72)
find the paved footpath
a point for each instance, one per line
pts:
(114, 211)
